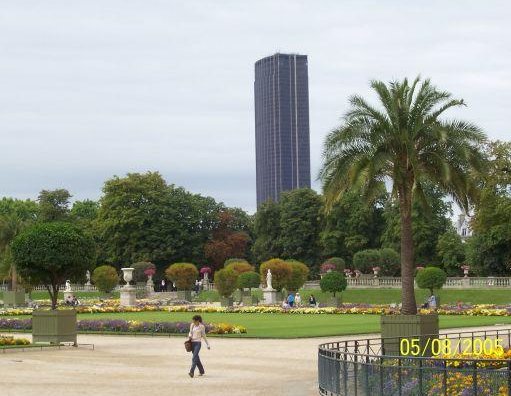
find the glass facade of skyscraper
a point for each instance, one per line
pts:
(281, 125)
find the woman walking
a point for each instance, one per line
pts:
(196, 334)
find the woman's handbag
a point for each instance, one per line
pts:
(188, 345)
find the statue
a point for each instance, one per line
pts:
(68, 286)
(87, 275)
(268, 280)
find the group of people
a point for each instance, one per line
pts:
(71, 301)
(295, 300)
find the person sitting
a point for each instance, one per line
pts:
(291, 300)
(298, 299)
(285, 305)
(312, 301)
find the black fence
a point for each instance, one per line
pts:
(361, 367)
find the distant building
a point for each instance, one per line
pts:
(281, 90)
(463, 226)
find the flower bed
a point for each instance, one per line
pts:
(6, 341)
(112, 306)
(130, 326)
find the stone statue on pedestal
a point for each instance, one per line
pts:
(68, 286)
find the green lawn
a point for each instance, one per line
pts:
(290, 326)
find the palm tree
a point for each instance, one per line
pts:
(403, 141)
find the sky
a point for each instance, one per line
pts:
(92, 89)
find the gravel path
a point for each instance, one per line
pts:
(126, 366)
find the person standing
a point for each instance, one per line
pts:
(291, 300)
(196, 334)
(298, 299)
(163, 287)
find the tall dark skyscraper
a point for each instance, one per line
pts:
(281, 89)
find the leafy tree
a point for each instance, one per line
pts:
(300, 224)
(249, 280)
(365, 260)
(226, 281)
(299, 275)
(451, 250)
(333, 282)
(51, 253)
(429, 220)
(489, 249)
(267, 232)
(406, 141)
(26, 210)
(54, 204)
(105, 278)
(431, 278)
(183, 275)
(352, 225)
(281, 272)
(85, 212)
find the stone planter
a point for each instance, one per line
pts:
(14, 298)
(396, 327)
(185, 295)
(54, 326)
(334, 302)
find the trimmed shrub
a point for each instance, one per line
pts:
(239, 266)
(249, 280)
(281, 272)
(365, 260)
(333, 263)
(105, 278)
(226, 281)
(431, 278)
(140, 268)
(183, 275)
(333, 282)
(299, 274)
(390, 262)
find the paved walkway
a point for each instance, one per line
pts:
(129, 366)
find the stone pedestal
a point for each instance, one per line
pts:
(270, 296)
(128, 296)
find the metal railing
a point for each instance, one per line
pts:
(361, 367)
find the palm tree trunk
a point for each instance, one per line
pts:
(409, 306)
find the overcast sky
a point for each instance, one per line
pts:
(93, 89)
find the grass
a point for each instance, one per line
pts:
(295, 326)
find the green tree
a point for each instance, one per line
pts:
(365, 260)
(406, 141)
(299, 275)
(267, 232)
(489, 249)
(333, 282)
(451, 251)
(300, 224)
(183, 275)
(51, 253)
(249, 280)
(281, 272)
(429, 220)
(431, 278)
(54, 205)
(226, 281)
(105, 278)
(389, 262)
(352, 225)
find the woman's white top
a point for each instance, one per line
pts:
(197, 333)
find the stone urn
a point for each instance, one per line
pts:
(127, 274)
(128, 292)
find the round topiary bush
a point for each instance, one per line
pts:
(390, 262)
(239, 266)
(226, 281)
(334, 264)
(105, 278)
(183, 275)
(249, 280)
(365, 260)
(51, 253)
(431, 278)
(333, 282)
(299, 275)
(281, 272)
